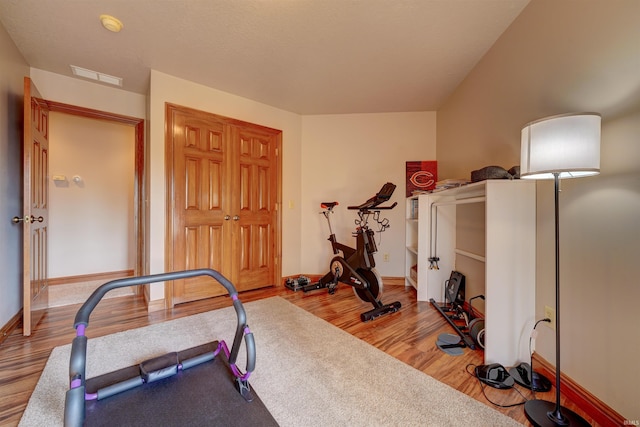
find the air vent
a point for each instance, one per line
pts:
(95, 75)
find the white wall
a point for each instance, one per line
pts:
(166, 88)
(347, 158)
(559, 57)
(91, 221)
(84, 93)
(13, 69)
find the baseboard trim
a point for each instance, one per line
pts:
(597, 409)
(11, 325)
(155, 305)
(111, 275)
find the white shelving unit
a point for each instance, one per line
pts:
(411, 242)
(500, 256)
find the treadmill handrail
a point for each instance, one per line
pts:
(74, 404)
(82, 317)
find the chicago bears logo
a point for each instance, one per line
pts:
(422, 179)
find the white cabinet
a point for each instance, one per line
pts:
(486, 231)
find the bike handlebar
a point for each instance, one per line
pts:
(377, 208)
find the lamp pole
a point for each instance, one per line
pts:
(556, 414)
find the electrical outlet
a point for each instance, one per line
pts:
(550, 313)
(385, 257)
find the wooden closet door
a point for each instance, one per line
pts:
(256, 204)
(201, 235)
(223, 202)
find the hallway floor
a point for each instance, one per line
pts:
(75, 293)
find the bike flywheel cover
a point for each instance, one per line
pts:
(375, 285)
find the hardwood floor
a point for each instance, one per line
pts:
(409, 335)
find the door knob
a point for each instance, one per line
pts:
(227, 217)
(27, 218)
(236, 217)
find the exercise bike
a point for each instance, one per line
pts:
(356, 267)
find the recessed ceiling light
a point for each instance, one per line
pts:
(111, 23)
(95, 75)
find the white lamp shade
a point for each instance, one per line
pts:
(567, 144)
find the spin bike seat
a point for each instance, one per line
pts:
(328, 205)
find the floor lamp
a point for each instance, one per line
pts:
(566, 146)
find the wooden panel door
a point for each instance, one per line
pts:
(200, 238)
(255, 207)
(223, 181)
(35, 206)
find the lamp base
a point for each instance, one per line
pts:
(541, 413)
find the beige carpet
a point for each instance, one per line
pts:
(308, 373)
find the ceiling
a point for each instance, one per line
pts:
(303, 56)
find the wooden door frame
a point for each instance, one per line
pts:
(170, 181)
(139, 209)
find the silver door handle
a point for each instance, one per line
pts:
(227, 217)
(236, 217)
